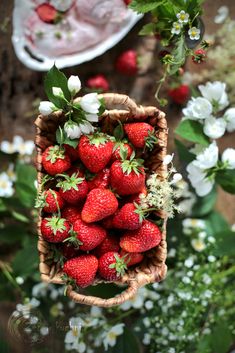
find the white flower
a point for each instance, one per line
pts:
(194, 33)
(176, 178)
(90, 103)
(183, 17)
(176, 29)
(211, 258)
(57, 91)
(168, 159)
(7, 147)
(229, 117)
(23, 147)
(6, 185)
(40, 289)
(73, 130)
(74, 84)
(136, 302)
(46, 107)
(96, 311)
(72, 336)
(86, 128)
(208, 158)
(19, 280)
(214, 128)
(198, 244)
(147, 339)
(94, 118)
(186, 280)
(194, 223)
(206, 279)
(222, 14)
(61, 5)
(189, 262)
(215, 93)
(110, 337)
(44, 330)
(228, 157)
(198, 108)
(10, 172)
(149, 304)
(197, 149)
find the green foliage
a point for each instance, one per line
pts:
(226, 179)
(62, 138)
(25, 189)
(183, 152)
(143, 6)
(205, 205)
(26, 259)
(225, 244)
(192, 131)
(126, 343)
(179, 55)
(148, 29)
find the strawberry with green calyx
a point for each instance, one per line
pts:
(141, 135)
(110, 243)
(55, 160)
(72, 189)
(127, 176)
(131, 259)
(100, 203)
(100, 180)
(145, 238)
(95, 151)
(120, 148)
(55, 229)
(71, 213)
(50, 201)
(111, 266)
(72, 152)
(82, 269)
(130, 216)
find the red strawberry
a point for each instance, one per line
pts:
(101, 180)
(121, 147)
(46, 12)
(127, 63)
(111, 266)
(69, 251)
(98, 82)
(137, 197)
(179, 94)
(100, 203)
(82, 269)
(127, 2)
(110, 243)
(132, 258)
(55, 229)
(75, 170)
(87, 236)
(199, 56)
(107, 222)
(142, 239)
(95, 151)
(55, 160)
(127, 177)
(128, 217)
(71, 213)
(73, 189)
(141, 135)
(71, 152)
(50, 200)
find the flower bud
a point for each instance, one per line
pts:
(57, 91)
(72, 130)
(74, 84)
(46, 107)
(228, 157)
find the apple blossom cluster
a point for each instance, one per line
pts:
(183, 18)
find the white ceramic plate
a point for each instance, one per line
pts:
(40, 62)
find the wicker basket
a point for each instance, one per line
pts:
(153, 268)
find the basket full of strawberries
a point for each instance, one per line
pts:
(99, 158)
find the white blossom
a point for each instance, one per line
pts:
(198, 244)
(61, 5)
(208, 158)
(11, 172)
(57, 92)
(183, 17)
(214, 128)
(72, 129)
(198, 108)
(189, 262)
(176, 29)
(136, 302)
(215, 92)
(46, 107)
(23, 147)
(86, 128)
(6, 185)
(94, 118)
(176, 178)
(90, 103)
(211, 258)
(19, 280)
(194, 33)
(222, 14)
(110, 337)
(228, 157)
(206, 279)
(44, 330)
(168, 159)
(147, 339)
(74, 84)
(229, 117)
(72, 336)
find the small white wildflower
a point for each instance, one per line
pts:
(183, 17)
(147, 339)
(186, 280)
(146, 322)
(168, 159)
(149, 304)
(202, 235)
(206, 279)
(6, 185)
(171, 350)
(19, 280)
(44, 330)
(198, 109)
(214, 127)
(208, 157)
(176, 177)
(229, 117)
(190, 273)
(176, 29)
(72, 129)
(208, 294)
(194, 33)
(21, 146)
(74, 84)
(33, 320)
(222, 14)
(211, 258)
(90, 103)
(215, 92)
(110, 337)
(172, 252)
(228, 157)
(46, 107)
(211, 239)
(57, 92)
(198, 245)
(189, 262)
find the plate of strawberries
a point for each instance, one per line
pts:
(96, 192)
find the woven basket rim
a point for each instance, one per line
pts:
(140, 276)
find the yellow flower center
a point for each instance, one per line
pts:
(182, 16)
(3, 184)
(112, 335)
(193, 33)
(75, 331)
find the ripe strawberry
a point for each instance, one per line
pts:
(127, 177)
(128, 217)
(142, 239)
(111, 266)
(55, 160)
(69, 251)
(75, 170)
(132, 258)
(82, 269)
(179, 94)
(50, 200)
(127, 63)
(121, 147)
(73, 189)
(98, 82)
(141, 135)
(136, 198)
(95, 151)
(55, 229)
(71, 213)
(87, 236)
(127, 2)
(107, 222)
(110, 243)
(71, 152)
(101, 180)
(100, 203)
(199, 56)
(46, 12)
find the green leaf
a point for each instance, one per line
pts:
(20, 217)
(226, 179)
(118, 132)
(221, 338)
(56, 78)
(12, 233)
(205, 205)
(192, 131)
(179, 54)
(26, 260)
(225, 243)
(216, 223)
(3, 207)
(60, 137)
(183, 152)
(148, 29)
(126, 343)
(24, 185)
(143, 6)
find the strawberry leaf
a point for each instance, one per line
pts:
(118, 132)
